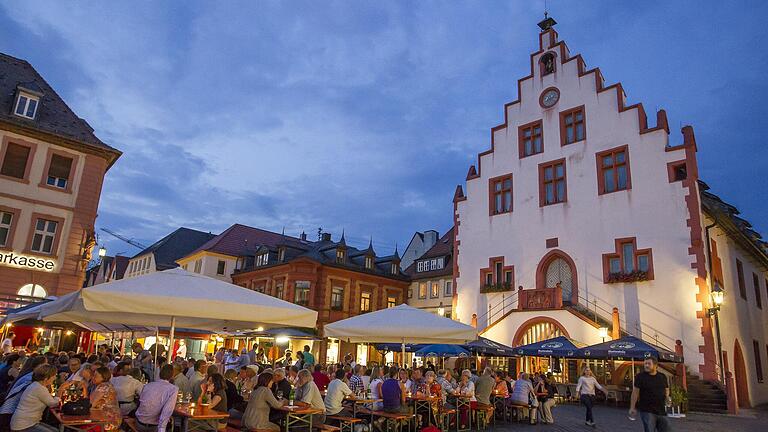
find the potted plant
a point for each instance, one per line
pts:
(679, 398)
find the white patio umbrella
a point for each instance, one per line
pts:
(177, 298)
(404, 324)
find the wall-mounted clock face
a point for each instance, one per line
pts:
(549, 98)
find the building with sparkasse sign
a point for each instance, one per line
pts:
(586, 218)
(51, 172)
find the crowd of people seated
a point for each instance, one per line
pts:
(142, 386)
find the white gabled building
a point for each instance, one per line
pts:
(581, 206)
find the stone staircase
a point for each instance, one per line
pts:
(706, 396)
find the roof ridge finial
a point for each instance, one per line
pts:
(342, 239)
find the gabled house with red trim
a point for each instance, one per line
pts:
(585, 219)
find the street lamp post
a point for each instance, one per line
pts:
(717, 295)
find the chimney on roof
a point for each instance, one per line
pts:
(326, 237)
(303, 236)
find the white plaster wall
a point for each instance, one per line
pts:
(577, 329)
(741, 318)
(654, 211)
(431, 303)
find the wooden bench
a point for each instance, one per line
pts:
(445, 417)
(326, 428)
(517, 408)
(483, 413)
(347, 424)
(394, 420)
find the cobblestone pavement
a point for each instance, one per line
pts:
(570, 418)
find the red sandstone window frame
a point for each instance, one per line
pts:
(14, 212)
(563, 125)
(636, 275)
(673, 170)
(72, 170)
(615, 165)
(543, 182)
(498, 271)
(30, 157)
(56, 236)
(521, 137)
(740, 278)
(502, 193)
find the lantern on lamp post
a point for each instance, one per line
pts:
(603, 332)
(717, 295)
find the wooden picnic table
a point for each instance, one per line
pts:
(424, 402)
(94, 418)
(462, 403)
(188, 411)
(296, 415)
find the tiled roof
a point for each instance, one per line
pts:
(443, 248)
(240, 239)
(53, 114)
(725, 215)
(324, 252)
(175, 245)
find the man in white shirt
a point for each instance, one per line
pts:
(337, 391)
(181, 351)
(156, 404)
(198, 377)
(8, 343)
(127, 387)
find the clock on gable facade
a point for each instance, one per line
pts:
(549, 97)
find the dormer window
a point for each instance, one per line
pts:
(369, 262)
(395, 269)
(262, 259)
(340, 256)
(26, 105)
(281, 254)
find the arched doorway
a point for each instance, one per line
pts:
(556, 267)
(740, 372)
(536, 330)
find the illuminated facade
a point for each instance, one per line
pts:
(51, 172)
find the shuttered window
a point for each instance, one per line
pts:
(15, 161)
(59, 170)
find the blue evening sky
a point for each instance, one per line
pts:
(363, 115)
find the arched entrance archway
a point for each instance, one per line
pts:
(740, 375)
(557, 267)
(536, 330)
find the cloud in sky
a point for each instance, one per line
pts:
(358, 115)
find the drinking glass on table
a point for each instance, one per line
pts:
(279, 394)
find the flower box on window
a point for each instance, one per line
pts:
(635, 276)
(498, 287)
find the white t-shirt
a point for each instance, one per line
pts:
(587, 384)
(337, 391)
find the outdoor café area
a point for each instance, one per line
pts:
(441, 365)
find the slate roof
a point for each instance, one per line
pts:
(53, 115)
(324, 252)
(239, 240)
(175, 245)
(738, 228)
(443, 248)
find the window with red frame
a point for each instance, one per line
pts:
(501, 194)
(740, 276)
(628, 264)
(572, 125)
(613, 170)
(531, 139)
(552, 182)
